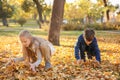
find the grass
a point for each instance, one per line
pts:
(32, 26)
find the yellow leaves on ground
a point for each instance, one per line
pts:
(63, 62)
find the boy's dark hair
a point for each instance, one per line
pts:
(89, 34)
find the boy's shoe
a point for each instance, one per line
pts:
(48, 66)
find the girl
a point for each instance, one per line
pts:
(34, 49)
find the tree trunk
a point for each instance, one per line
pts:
(5, 23)
(102, 17)
(39, 9)
(35, 16)
(107, 14)
(45, 18)
(107, 11)
(56, 21)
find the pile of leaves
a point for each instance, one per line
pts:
(64, 65)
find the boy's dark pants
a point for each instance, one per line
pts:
(89, 50)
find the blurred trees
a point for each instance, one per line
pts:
(86, 11)
(83, 10)
(80, 11)
(17, 11)
(6, 11)
(108, 7)
(40, 6)
(27, 5)
(24, 9)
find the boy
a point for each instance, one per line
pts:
(87, 42)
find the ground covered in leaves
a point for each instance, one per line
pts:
(63, 61)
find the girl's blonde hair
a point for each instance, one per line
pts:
(25, 33)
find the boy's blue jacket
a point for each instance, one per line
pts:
(93, 46)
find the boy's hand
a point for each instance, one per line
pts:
(97, 62)
(80, 61)
(32, 66)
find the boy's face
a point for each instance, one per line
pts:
(87, 42)
(25, 41)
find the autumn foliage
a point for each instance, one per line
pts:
(63, 62)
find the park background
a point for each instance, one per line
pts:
(61, 22)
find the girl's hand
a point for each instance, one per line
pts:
(32, 67)
(10, 62)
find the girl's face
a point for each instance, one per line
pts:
(25, 41)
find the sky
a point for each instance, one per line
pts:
(114, 2)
